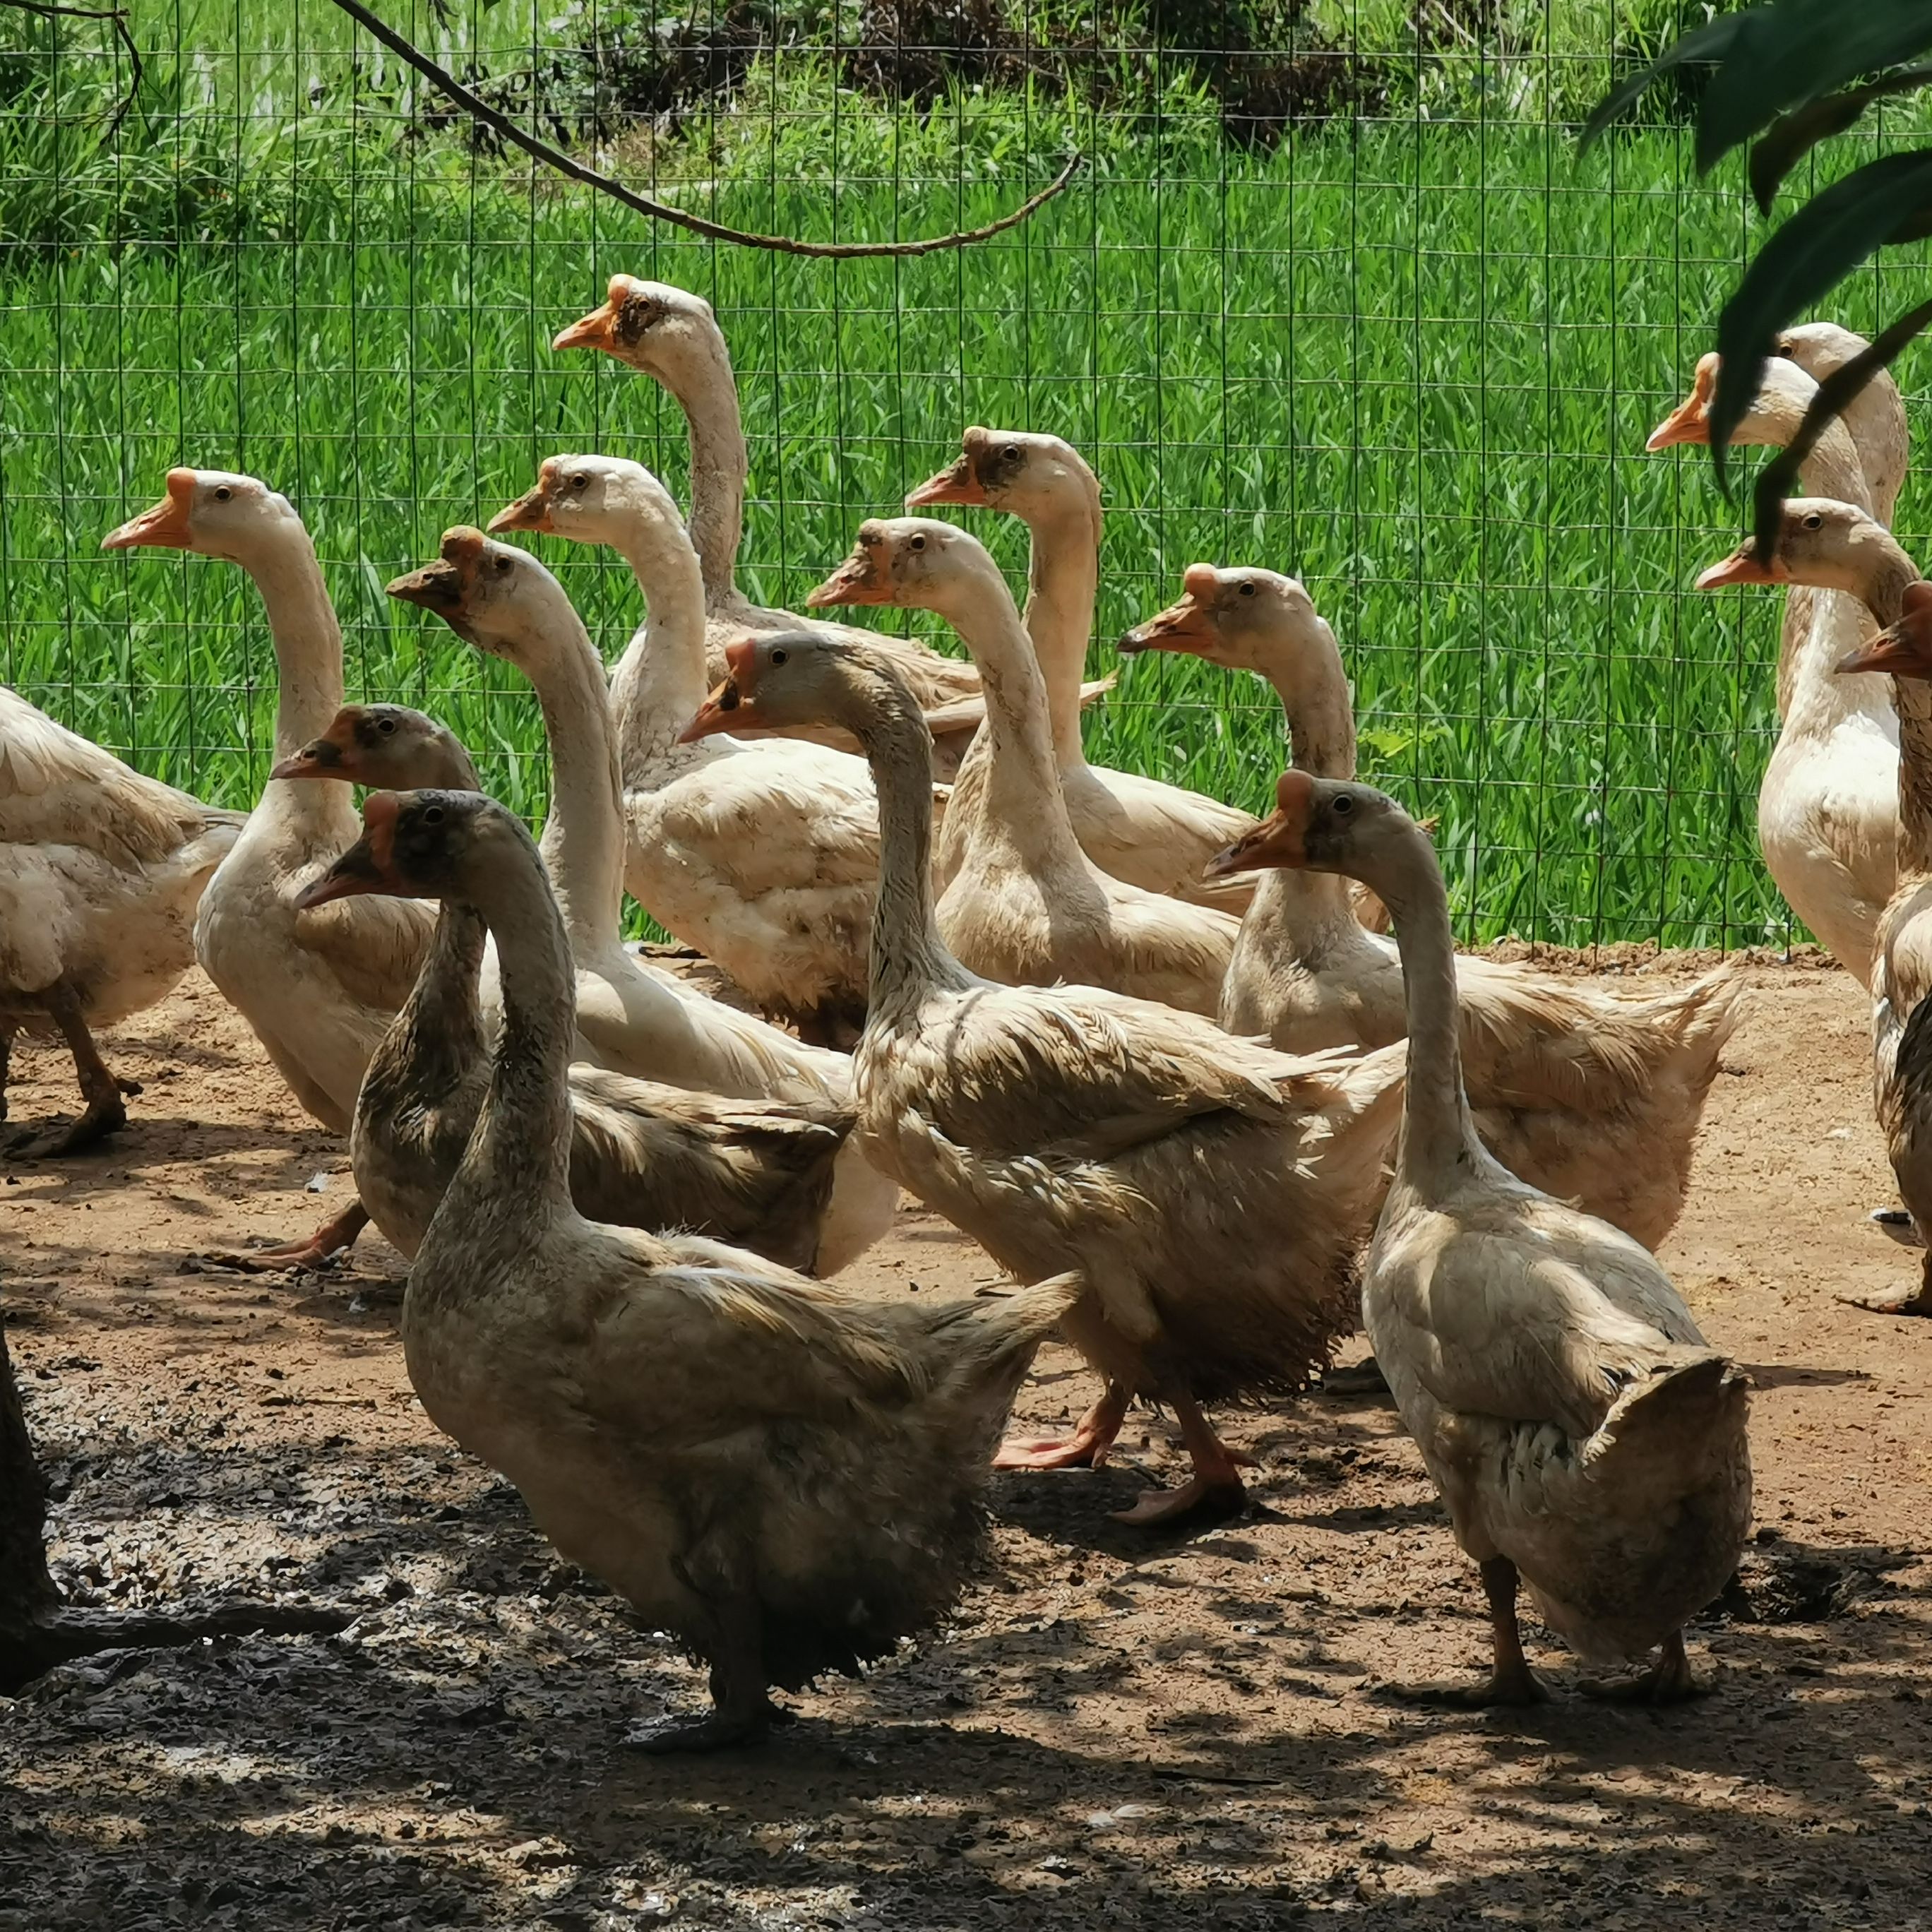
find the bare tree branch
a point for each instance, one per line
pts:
(481, 110)
(118, 16)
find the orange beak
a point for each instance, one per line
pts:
(733, 706)
(1690, 421)
(1183, 626)
(166, 526)
(1904, 649)
(1744, 566)
(330, 756)
(369, 865)
(1279, 840)
(530, 512)
(855, 581)
(599, 329)
(443, 586)
(958, 483)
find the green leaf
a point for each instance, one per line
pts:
(1792, 136)
(1835, 395)
(1785, 55)
(1889, 199)
(1707, 45)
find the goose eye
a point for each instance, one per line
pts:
(223, 493)
(917, 543)
(385, 724)
(1011, 453)
(780, 656)
(1344, 804)
(1813, 520)
(579, 482)
(502, 565)
(1247, 586)
(433, 814)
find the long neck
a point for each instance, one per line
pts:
(583, 837)
(438, 1036)
(519, 1155)
(908, 957)
(1438, 1139)
(719, 464)
(307, 639)
(1886, 572)
(1023, 803)
(1310, 909)
(1062, 582)
(1808, 691)
(659, 682)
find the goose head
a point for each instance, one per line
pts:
(1021, 472)
(424, 845)
(1835, 546)
(912, 563)
(1320, 825)
(501, 600)
(1785, 391)
(1241, 619)
(215, 512)
(651, 325)
(1904, 649)
(1875, 416)
(592, 499)
(785, 679)
(388, 747)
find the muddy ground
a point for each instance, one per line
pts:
(1118, 1731)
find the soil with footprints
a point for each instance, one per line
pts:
(1117, 1729)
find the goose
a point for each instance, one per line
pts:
(1585, 1439)
(1153, 835)
(1837, 547)
(631, 1018)
(1210, 1194)
(1593, 1098)
(762, 855)
(1875, 418)
(788, 1478)
(318, 987)
(773, 1176)
(101, 871)
(1027, 905)
(672, 336)
(1901, 1013)
(1828, 806)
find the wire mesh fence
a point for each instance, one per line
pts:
(1346, 306)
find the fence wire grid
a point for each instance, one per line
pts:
(1372, 324)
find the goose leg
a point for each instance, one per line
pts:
(1510, 1681)
(99, 1088)
(1915, 1300)
(1214, 1487)
(1086, 1448)
(332, 1237)
(6, 1065)
(1668, 1681)
(743, 1713)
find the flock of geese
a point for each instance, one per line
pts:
(1158, 1058)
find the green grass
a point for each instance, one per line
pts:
(1413, 363)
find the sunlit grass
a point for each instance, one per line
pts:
(1413, 364)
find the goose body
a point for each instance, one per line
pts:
(1025, 905)
(1156, 836)
(1827, 806)
(762, 853)
(1210, 1193)
(1584, 1437)
(775, 1177)
(1593, 1098)
(101, 870)
(789, 1479)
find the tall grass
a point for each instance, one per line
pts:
(1414, 363)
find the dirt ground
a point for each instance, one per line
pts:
(1118, 1731)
